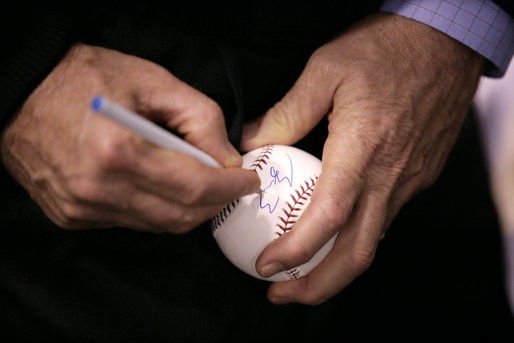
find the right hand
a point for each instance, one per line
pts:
(86, 171)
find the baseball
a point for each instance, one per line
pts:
(246, 226)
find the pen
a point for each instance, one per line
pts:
(149, 130)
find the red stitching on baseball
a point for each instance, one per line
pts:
(262, 158)
(298, 199)
(222, 215)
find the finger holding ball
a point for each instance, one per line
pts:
(246, 226)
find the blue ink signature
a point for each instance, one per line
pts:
(276, 179)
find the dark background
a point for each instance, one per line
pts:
(437, 275)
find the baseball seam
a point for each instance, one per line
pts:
(298, 199)
(293, 273)
(262, 158)
(219, 218)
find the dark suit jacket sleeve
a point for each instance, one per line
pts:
(36, 41)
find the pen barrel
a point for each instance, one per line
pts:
(149, 130)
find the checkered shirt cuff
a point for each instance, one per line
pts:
(479, 24)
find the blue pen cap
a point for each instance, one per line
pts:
(97, 103)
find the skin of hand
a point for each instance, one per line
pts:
(396, 93)
(86, 171)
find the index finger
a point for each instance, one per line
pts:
(187, 181)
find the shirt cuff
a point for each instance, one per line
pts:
(479, 24)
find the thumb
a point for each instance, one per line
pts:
(292, 118)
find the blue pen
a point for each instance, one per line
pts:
(149, 130)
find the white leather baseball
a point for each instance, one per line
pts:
(246, 226)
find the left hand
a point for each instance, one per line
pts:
(396, 93)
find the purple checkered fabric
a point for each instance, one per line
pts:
(480, 24)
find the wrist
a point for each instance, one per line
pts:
(481, 25)
(428, 50)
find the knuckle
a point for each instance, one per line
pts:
(109, 150)
(323, 61)
(60, 220)
(84, 189)
(298, 253)
(313, 295)
(209, 115)
(145, 101)
(336, 211)
(207, 112)
(205, 116)
(71, 215)
(83, 52)
(194, 195)
(211, 110)
(362, 257)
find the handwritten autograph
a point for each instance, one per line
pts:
(276, 180)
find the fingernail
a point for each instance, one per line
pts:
(271, 269)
